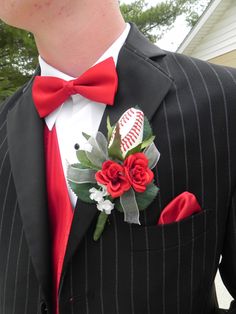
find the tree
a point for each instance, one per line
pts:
(18, 58)
(154, 21)
(18, 53)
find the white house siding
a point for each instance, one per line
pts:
(221, 37)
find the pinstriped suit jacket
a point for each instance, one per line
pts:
(145, 269)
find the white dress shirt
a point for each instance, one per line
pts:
(78, 114)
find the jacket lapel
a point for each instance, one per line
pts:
(26, 149)
(142, 83)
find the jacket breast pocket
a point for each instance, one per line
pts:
(164, 237)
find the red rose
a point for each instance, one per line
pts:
(137, 171)
(113, 177)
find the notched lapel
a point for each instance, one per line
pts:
(26, 149)
(141, 82)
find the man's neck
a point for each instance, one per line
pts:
(78, 38)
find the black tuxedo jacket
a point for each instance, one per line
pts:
(132, 269)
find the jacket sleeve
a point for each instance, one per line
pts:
(228, 263)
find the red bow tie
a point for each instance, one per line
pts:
(98, 83)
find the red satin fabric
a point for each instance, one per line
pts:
(99, 83)
(59, 206)
(183, 206)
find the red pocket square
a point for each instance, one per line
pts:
(183, 206)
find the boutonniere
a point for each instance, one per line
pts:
(116, 172)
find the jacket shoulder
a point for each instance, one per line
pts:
(185, 64)
(189, 72)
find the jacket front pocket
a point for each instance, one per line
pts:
(164, 237)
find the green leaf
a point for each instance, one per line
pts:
(79, 166)
(85, 135)
(82, 191)
(110, 128)
(148, 142)
(85, 162)
(118, 205)
(134, 150)
(97, 157)
(137, 107)
(147, 130)
(101, 143)
(101, 222)
(144, 199)
(99, 150)
(114, 150)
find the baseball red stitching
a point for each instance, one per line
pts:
(133, 134)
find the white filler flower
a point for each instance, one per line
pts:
(97, 195)
(106, 206)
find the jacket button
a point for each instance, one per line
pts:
(44, 308)
(71, 300)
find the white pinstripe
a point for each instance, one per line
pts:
(4, 204)
(4, 158)
(8, 256)
(170, 151)
(230, 74)
(198, 122)
(39, 297)
(71, 286)
(131, 269)
(164, 272)
(178, 273)
(86, 274)
(101, 277)
(2, 126)
(227, 126)
(183, 129)
(1, 145)
(184, 139)
(117, 260)
(27, 286)
(215, 154)
(227, 130)
(2, 109)
(192, 261)
(147, 260)
(17, 271)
